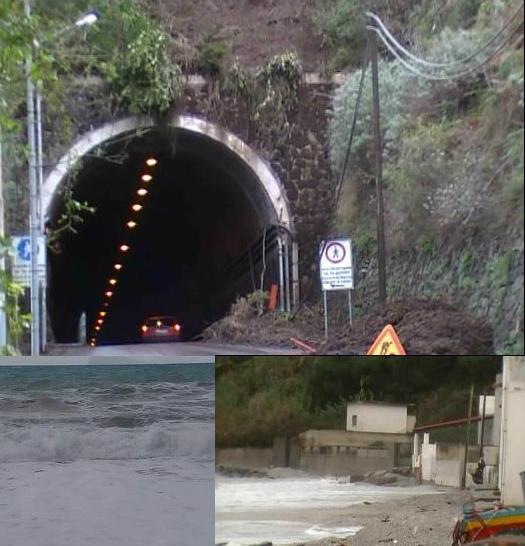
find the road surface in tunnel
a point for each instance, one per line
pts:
(202, 210)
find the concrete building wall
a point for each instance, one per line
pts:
(251, 458)
(512, 446)
(312, 438)
(345, 461)
(428, 462)
(367, 417)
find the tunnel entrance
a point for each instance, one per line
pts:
(212, 217)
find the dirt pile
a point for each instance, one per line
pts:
(253, 30)
(424, 327)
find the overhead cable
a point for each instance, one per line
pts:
(457, 62)
(442, 77)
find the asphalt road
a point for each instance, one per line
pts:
(186, 349)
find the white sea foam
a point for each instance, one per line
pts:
(254, 510)
(54, 443)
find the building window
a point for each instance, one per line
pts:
(354, 420)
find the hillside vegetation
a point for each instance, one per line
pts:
(453, 161)
(258, 398)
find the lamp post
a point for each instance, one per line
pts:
(34, 139)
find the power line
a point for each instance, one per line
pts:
(366, 60)
(443, 77)
(463, 60)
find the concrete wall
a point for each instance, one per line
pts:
(345, 461)
(512, 447)
(428, 462)
(312, 438)
(343, 453)
(366, 417)
(252, 458)
(448, 473)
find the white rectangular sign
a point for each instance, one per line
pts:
(336, 265)
(21, 259)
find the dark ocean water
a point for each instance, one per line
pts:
(65, 413)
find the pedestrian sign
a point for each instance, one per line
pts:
(387, 343)
(336, 265)
(21, 259)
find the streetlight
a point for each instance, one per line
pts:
(35, 164)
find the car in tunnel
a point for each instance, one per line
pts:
(160, 328)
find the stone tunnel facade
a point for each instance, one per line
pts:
(297, 153)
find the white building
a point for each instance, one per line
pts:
(379, 417)
(512, 443)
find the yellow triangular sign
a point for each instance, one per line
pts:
(387, 343)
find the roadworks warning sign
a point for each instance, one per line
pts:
(387, 343)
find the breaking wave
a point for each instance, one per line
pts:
(38, 443)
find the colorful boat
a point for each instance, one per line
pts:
(480, 524)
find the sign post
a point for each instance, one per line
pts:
(336, 270)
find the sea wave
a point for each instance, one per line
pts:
(45, 443)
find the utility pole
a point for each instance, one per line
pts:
(34, 227)
(380, 218)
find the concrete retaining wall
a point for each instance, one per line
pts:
(251, 458)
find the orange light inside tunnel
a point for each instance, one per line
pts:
(97, 328)
(131, 224)
(146, 178)
(106, 304)
(103, 313)
(100, 321)
(177, 327)
(108, 294)
(142, 191)
(151, 162)
(144, 328)
(113, 281)
(92, 343)
(124, 248)
(136, 207)
(118, 267)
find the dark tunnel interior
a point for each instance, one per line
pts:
(203, 209)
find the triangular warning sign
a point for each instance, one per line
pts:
(387, 343)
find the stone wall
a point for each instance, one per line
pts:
(482, 275)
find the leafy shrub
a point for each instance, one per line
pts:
(211, 55)
(141, 72)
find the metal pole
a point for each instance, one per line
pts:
(287, 272)
(325, 315)
(482, 426)
(40, 164)
(3, 325)
(467, 441)
(381, 260)
(33, 204)
(350, 307)
(281, 273)
(295, 274)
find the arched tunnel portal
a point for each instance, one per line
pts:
(197, 242)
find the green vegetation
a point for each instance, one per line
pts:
(17, 322)
(258, 398)
(452, 149)
(212, 54)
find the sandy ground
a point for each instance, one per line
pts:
(426, 520)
